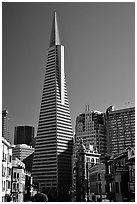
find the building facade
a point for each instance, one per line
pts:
(22, 151)
(6, 169)
(97, 182)
(120, 176)
(90, 126)
(131, 168)
(18, 180)
(86, 158)
(120, 128)
(52, 162)
(24, 135)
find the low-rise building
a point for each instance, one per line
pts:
(120, 176)
(86, 158)
(18, 180)
(131, 167)
(6, 169)
(97, 182)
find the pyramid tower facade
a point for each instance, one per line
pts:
(52, 162)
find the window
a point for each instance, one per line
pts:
(117, 187)
(99, 177)
(4, 157)
(10, 157)
(8, 184)
(3, 185)
(14, 186)
(97, 161)
(17, 185)
(3, 170)
(18, 175)
(14, 175)
(88, 159)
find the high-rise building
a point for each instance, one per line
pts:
(120, 127)
(90, 126)
(5, 126)
(24, 135)
(52, 162)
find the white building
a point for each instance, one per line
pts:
(85, 159)
(6, 169)
(18, 180)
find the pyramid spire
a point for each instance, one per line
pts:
(54, 39)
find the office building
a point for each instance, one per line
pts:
(90, 126)
(120, 127)
(5, 126)
(52, 162)
(6, 169)
(22, 151)
(24, 135)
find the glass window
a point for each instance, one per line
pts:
(17, 185)
(14, 186)
(3, 185)
(10, 158)
(14, 175)
(17, 175)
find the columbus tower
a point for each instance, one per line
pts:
(52, 162)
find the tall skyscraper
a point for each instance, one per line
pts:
(5, 126)
(52, 163)
(24, 135)
(120, 127)
(90, 126)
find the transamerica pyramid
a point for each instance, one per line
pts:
(52, 162)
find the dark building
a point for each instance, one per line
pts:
(97, 182)
(24, 135)
(120, 128)
(52, 162)
(120, 176)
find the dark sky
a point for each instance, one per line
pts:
(99, 40)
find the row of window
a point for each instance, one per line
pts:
(4, 169)
(16, 175)
(7, 186)
(15, 186)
